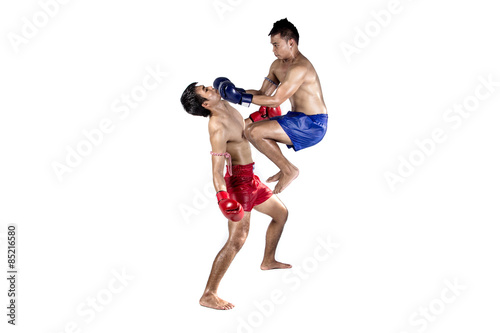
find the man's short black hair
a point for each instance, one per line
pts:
(286, 29)
(192, 102)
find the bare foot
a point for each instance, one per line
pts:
(274, 265)
(274, 178)
(285, 179)
(211, 300)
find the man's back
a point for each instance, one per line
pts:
(308, 98)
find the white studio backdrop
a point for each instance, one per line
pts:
(393, 219)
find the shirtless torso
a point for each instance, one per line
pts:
(308, 96)
(232, 125)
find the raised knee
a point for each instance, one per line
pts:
(249, 131)
(253, 132)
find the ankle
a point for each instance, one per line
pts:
(268, 261)
(207, 293)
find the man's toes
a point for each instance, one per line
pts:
(274, 178)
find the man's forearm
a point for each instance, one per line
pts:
(267, 92)
(219, 182)
(254, 92)
(264, 100)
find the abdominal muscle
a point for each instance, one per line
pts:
(240, 152)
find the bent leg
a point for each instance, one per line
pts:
(238, 232)
(264, 135)
(274, 208)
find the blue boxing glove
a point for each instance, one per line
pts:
(230, 93)
(219, 80)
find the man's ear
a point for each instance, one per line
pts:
(205, 104)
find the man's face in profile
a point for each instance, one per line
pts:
(282, 49)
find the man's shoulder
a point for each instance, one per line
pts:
(276, 63)
(299, 69)
(215, 125)
(217, 132)
(303, 61)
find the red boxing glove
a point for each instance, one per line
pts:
(259, 115)
(273, 112)
(264, 113)
(230, 208)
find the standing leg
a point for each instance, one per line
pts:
(238, 232)
(279, 214)
(264, 135)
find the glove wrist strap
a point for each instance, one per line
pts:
(222, 195)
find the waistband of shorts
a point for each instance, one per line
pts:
(317, 115)
(320, 119)
(243, 170)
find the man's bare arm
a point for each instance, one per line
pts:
(293, 80)
(269, 85)
(219, 141)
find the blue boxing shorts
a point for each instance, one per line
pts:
(302, 129)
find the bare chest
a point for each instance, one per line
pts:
(236, 126)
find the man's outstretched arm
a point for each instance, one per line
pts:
(288, 87)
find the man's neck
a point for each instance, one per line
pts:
(294, 56)
(219, 109)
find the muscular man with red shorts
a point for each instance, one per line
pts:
(239, 191)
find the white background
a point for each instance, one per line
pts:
(141, 201)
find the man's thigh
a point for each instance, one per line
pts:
(270, 129)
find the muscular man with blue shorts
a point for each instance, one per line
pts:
(293, 77)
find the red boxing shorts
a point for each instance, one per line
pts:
(245, 187)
